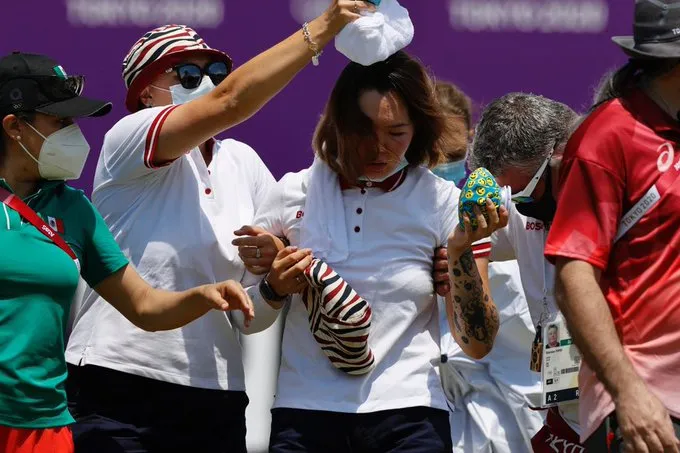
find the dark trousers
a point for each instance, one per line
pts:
(412, 430)
(122, 413)
(602, 441)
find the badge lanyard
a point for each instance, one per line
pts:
(30, 215)
(537, 345)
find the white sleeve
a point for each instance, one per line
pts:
(502, 241)
(265, 314)
(269, 214)
(501, 246)
(130, 146)
(448, 195)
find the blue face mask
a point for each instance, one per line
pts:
(452, 171)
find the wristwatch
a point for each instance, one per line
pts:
(268, 292)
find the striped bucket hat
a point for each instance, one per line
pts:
(339, 319)
(158, 50)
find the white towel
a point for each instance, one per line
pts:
(376, 35)
(323, 227)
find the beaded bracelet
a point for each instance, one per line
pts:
(312, 45)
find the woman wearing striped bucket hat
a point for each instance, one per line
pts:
(361, 345)
(173, 197)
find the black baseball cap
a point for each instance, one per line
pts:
(30, 82)
(656, 30)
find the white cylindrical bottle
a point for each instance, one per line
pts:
(506, 196)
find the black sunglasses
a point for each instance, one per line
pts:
(190, 74)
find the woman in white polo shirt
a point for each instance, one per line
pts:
(375, 215)
(173, 198)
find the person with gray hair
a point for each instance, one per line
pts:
(528, 127)
(520, 139)
(489, 397)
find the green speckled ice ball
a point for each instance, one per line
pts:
(479, 186)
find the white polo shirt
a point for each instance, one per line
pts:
(524, 240)
(392, 238)
(175, 224)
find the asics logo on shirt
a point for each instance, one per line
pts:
(666, 158)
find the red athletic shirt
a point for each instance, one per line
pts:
(610, 162)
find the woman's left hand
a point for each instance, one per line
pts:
(287, 274)
(461, 240)
(257, 248)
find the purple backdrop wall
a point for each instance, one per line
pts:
(558, 48)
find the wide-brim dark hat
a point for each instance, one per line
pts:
(656, 31)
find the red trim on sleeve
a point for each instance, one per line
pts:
(152, 137)
(481, 250)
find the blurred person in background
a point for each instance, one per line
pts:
(371, 210)
(520, 139)
(175, 198)
(458, 109)
(491, 412)
(614, 241)
(50, 235)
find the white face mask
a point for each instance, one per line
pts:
(63, 153)
(181, 95)
(402, 164)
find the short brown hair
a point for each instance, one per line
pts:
(454, 101)
(343, 125)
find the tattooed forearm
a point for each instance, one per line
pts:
(467, 263)
(475, 316)
(459, 329)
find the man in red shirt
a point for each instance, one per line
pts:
(615, 240)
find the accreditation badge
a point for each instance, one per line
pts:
(561, 361)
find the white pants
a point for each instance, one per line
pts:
(488, 397)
